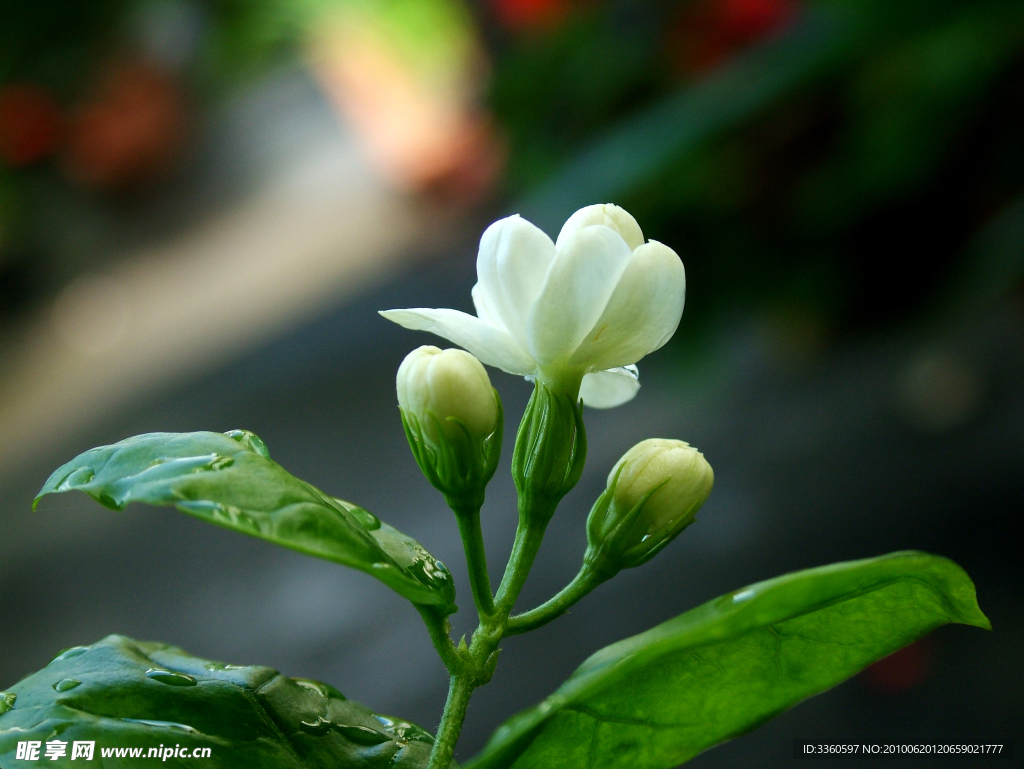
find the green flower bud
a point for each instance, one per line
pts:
(551, 448)
(453, 420)
(653, 493)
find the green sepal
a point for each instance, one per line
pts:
(230, 480)
(120, 693)
(460, 467)
(550, 451)
(606, 554)
(657, 699)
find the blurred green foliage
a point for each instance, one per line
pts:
(828, 161)
(832, 171)
(52, 43)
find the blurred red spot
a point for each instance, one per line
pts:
(130, 131)
(902, 670)
(748, 20)
(30, 124)
(706, 33)
(520, 15)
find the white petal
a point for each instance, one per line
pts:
(610, 216)
(643, 312)
(580, 282)
(493, 346)
(606, 389)
(511, 266)
(483, 309)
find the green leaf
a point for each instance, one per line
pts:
(229, 479)
(120, 693)
(659, 698)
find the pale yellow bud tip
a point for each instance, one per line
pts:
(678, 474)
(608, 215)
(443, 388)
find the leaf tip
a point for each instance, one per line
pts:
(977, 618)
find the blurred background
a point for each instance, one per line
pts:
(203, 203)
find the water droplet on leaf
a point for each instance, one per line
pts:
(250, 441)
(221, 462)
(404, 731)
(67, 654)
(365, 518)
(318, 727)
(362, 735)
(222, 666)
(324, 690)
(66, 683)
(163, 725)
(170, 678)
(76, 478)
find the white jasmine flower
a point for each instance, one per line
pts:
(575, 314)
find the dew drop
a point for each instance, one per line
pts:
(109, 501)
(313, 686)
(249, 440)
(324, 690)
(405, 731)
(219, 463)
(222, 666)
(318, 727)
(246, 520)
(67, 654)
(362, 735)
(366, 519)
(170, 678)
(66, 683)
(163, 725)
(76, 478)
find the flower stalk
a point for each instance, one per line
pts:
(574, 316)
(476, 559)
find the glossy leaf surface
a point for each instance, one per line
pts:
(230, 480)
(120, 693)
(659, 698)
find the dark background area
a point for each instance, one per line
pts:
(843, 180)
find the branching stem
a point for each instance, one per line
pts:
(472, 665)
(555, 607)
(529, 536)
(438, 628)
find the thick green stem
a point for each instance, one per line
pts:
(529, 535)
(581, 584)
(459, 691)
(476, 559)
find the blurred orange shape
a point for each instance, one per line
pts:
(30, 124)
(420, 124)
(130, 131)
